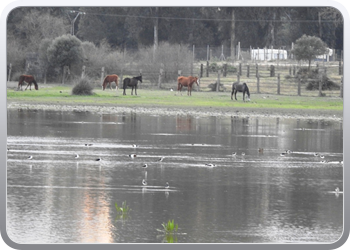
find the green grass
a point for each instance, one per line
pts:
(54, 94)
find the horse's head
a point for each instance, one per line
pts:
(139, 78)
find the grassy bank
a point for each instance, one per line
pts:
(56, 94)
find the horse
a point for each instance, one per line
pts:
(240, 87)
(29, 79)
(127, 82)
(108, 80)
(187, 82)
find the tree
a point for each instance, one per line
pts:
(308, 47)
(65, 51)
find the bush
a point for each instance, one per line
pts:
(83, 87)
(311, 78)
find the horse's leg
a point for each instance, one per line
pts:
(243, 95)
(110, 85)
(27, 86)
(135, 89)
(236, 94)
(132, 90)
(232, 95)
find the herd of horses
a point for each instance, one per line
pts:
(182, 81)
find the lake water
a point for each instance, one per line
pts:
(261, 197)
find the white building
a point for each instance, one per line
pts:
(268, 54)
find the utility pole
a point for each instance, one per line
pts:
(155, 43)
(73, 21)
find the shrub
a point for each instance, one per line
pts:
(83, 87)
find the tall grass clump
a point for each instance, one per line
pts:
(83, 87)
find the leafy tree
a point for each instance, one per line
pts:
(64, 51)
(308, 47)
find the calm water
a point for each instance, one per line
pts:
(259, 197)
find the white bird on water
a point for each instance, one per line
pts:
(30, 157)
(167, 185)
(144, 182)
(132, 156)
(145, 166)
(210, 165)
(98, 159)
(161, 159)
(76, 156)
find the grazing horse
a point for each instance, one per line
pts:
(29, 80)
(240, 87)
(187, 82)
(127, 82)
(108, 80)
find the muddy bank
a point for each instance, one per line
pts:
(195, 111)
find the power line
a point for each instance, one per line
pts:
(206, 19)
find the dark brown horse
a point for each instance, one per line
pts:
(240, 87)
(29, 80)
(131, 82)
(108, 80)
(187, 82)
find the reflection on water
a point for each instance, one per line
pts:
(263, 196)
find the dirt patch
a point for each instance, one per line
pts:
(195, 111)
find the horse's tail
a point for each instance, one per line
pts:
(35, 84)
(246, 86)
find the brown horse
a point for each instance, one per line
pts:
(187, 82)
(29, 80)
(108, 80)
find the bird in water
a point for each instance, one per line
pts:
(132, 156)
(98, 159)
(88, 144)
(210, 165)
(144, 182)
(243, 154)
(167, 185)
(234, 153)
(145, 166)
(161, 159)
(30, 157)
(76, 156)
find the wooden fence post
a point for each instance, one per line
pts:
(160, 78)
(9, 72)
(341, 88)
(83, 72)
(299, 86)
(340, 68)
(201, 74)
(207, 68)
(225, 70)
(278, 84)
(320, 85)
(238, 78)
(218, 81)
(248, 70)
(256, 70)
(272, 71)
(102, 75)
(258, 84)
(240, 69)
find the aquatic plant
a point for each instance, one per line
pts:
(124, 209)
(170, 227)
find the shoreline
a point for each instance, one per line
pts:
(194, 111)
